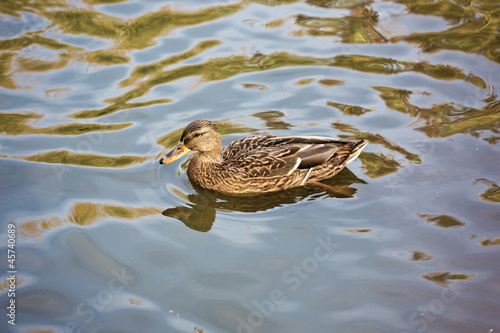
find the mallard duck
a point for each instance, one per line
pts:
(262, 163)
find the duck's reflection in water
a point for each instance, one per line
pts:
(199, 214)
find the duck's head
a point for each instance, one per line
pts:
(200, 135)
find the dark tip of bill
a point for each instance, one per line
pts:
(161, 160)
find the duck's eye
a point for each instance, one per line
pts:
(197, 135)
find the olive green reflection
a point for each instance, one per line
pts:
(255, 86)
(349, 110)
(331, 82)
(274, 2)
(223, 68)
(150, 69)
(357, 231)
(443, 221)
(17, 124)
(103, 2)
(273, 120)
(335, 3)
(83, 159)
(35, 38)
(474, 28)
(443, 279)
(304, 82)
(420, 256)
(106, 57)
(490, 242)
(199, 214)
(492, 194)
(66, 54)
(137, 33)
(118, 107)
(35, 65)
(5, 68)
(376, 164)
(84, 213)
(443, 120)
(359, 27)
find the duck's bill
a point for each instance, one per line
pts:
(179, 151)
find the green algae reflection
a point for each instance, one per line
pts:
(443, 221)
(375, 139)
(492, 194)
(473, 25)
(84, 214)
(444, 120)
(225, 67)
(136, 33)
(85, 159)
(360, 27)
(351, 110)
(18, 123)
(150, 69)
(5, 67)
(443, 279)
(473, 29)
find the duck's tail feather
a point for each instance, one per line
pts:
(356, 150)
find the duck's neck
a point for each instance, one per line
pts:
(210, 157)
(203, 167)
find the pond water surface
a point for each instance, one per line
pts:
(407, 239)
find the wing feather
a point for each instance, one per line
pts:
(267, 156)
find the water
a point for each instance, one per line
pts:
(94, 92)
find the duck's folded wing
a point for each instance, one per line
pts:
(252, 143)
(283, 157)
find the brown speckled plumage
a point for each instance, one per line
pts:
(261, 163)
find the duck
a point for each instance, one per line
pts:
(261, 163)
